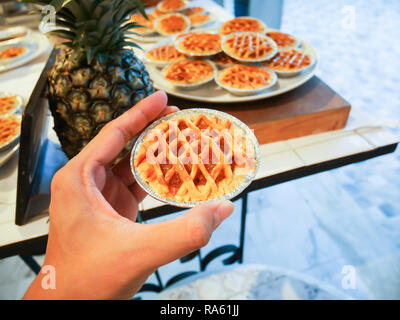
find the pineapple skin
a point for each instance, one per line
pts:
(84, 97)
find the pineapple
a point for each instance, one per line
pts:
(95, 77)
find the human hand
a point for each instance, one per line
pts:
(97, 249)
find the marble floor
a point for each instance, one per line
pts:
(329, 223)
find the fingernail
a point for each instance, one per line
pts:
(222, 211)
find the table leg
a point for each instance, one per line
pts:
(31, 263)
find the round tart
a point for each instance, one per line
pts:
(249, 46)
(246, 80)
(9, 104)
(223, 60)
(199, 44)
(242, 24)
(195, 155)
(283, 40)
(148, 24)
(194, 11)
(189, 73)
(199, 20)
(11, 53)
(289, 62)
(10, 128)
(168, 6)
(164, 54)
(172, 24)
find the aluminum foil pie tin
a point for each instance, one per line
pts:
(184, 114)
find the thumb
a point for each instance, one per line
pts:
(171, 240)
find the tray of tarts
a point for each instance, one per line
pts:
(194, 156)
(254, 63)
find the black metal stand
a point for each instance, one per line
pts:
(237, 256)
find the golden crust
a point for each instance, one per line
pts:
(245, 77)
(173, 162)
(10, 127)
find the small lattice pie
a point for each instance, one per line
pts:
(8, 104)
(172, 24)
(242, 24)
(245, 77)
(291, 60)
(200, 44)
(165, 53)
(9, 129)
(199, 19)
(248, 46)
(193, 11)
(189, 72)
(141, 20)
(223, 59)
(12, 52)
(194, 158)
(283, 40)
(168, 6)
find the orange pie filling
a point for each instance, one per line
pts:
(140, 20)
(172, 24)
(291, 60)
(241, 24)
(165, 53)
(245, 77)
(171, 5)
(200, 43)
(9, 128)
(189, 72)
(8, 104)
(196, 20)
(194, 159)
(248, 46)
(12, 52)
(282, 39)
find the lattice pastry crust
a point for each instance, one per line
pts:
(189, 72)
(249, 46)
(291, 60)
(165, 53)
(245, 77)
(188, 159)
(9, 128)
(200, 44)
(8, 104)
